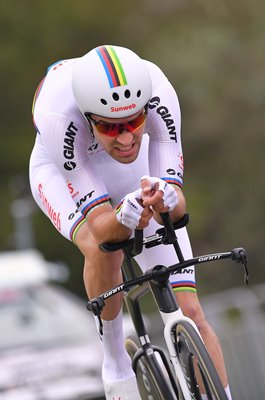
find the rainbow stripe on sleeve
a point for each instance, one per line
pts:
(112, 66)
(73, 231)
(119, 206)
(100, 201)
(37, 94)
(173, 181)
(34, 102)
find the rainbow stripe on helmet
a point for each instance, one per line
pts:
(112, 66)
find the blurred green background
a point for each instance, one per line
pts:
(213, 53)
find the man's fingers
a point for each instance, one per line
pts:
(146, 188)
(145, 183)
(147, 212)
(153, 200)
(146, 215)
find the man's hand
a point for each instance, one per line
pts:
(132, 213)
(158, 194)
(137, 208)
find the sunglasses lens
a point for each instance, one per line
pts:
(114, 129)
(137, 122)
(103, 128)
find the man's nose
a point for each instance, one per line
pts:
(125, 137)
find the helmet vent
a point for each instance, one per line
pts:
(103, 101)
(139, 93)
(115, 96)
(127, 94)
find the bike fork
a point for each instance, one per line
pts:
(170, 321)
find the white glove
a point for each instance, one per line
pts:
(129, 211)
(170, 196)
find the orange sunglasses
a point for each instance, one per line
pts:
(115, 129)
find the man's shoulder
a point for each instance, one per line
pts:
(56, 95)
(155, 71)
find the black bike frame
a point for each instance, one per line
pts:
(163, 294)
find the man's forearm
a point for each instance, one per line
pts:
(106, 228)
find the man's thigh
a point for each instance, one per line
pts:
(190, 305)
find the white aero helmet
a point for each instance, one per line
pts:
(111, 81)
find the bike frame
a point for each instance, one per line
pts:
(156, 280)
(171, 314)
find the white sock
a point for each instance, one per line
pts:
(227, 391)
(117, 363)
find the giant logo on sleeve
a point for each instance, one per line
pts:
(68, 148)
(165, 115)
(69, 165)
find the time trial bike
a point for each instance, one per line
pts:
(185, 370)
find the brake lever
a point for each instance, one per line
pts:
(96, 306)
(239, 255)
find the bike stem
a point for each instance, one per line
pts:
(171, 235)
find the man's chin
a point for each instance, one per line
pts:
(125, 157)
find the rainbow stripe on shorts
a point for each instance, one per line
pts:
(184, 286)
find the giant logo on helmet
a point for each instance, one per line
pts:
(123, 108)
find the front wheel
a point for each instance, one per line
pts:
(152, 378)
(198, 368)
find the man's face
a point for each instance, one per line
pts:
(122, 137)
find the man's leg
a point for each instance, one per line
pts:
(101, 272)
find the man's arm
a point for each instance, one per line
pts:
(105, 226)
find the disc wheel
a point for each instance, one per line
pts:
(198, 368)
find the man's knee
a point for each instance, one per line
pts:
(94, 257)
(84, 239)
(191, 307)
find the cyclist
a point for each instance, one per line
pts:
(108, 159)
